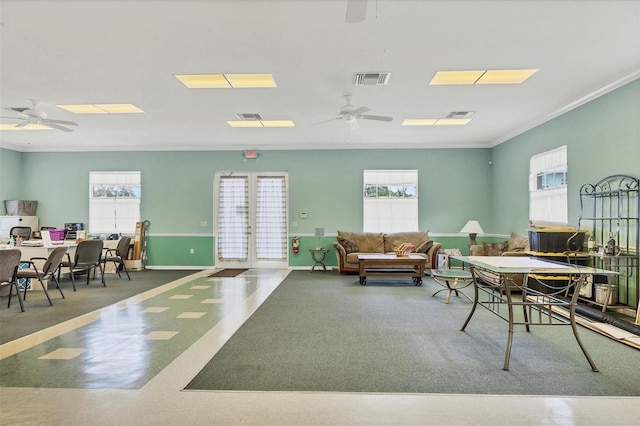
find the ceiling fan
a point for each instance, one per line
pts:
(32, 115)
(351, 114)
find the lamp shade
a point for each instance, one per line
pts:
(472, 227)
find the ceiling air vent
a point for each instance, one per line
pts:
(460, 114)
(375, 79)
(249, 116)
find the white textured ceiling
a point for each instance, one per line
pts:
(72, 52)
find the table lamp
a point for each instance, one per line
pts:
(473, 228)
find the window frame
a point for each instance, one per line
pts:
(122, 191)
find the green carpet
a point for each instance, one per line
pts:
(326, 333)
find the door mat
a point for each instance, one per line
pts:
(228, 273)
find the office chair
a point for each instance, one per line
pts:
(118, 255)
(50, 267)
(23, 231)
(87, 258)
(9, 263)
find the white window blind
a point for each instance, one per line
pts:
(271, 218)
(390, 201)
(548, 186)
(114, 202)
(233, 218)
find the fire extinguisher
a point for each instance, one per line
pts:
(295, 244)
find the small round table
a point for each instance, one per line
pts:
(444, 278)
(318, 255)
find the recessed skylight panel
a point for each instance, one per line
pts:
(226, 81)
(514, 76)
(102, 108)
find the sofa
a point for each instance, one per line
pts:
(516, 245)
(349, 245)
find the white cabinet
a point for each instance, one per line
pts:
(8, 222)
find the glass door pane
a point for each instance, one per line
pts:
(233, 218)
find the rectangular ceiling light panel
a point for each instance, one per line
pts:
(456, 77)
(204, 81)
(482, 77)
(5, 126)
(102, 109)
(278, 123)
(506, 76)
(226, 81)
(452, 121)
(261, 123)
(250, 80)
(435, 121)
(245, 123)
(120, 108)
(419, 121)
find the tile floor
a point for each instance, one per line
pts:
(128, 363)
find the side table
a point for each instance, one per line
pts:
(444, 278)
(318, 255)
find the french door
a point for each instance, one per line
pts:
(251, 217)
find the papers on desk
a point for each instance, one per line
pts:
(32, 243)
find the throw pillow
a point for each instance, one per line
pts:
(517, 243)
(495, 249)
(424, 247)
(348, 244)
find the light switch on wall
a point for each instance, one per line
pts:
(303, 215)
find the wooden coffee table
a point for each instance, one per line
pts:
(390, 265)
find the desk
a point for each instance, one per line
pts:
(536, 306)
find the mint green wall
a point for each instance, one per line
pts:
(177, 190)
(602, 138)
(176, 251)
(10, 176)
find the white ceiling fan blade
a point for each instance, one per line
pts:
(356, 11)
(326, 121)
(18, 110)
(360, 110)
(376, 117)
(48, 123)
(68, 123)
(23, 124)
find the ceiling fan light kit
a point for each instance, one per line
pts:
(351, 115)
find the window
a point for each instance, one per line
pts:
(390, 200)
(548, 186)
(114, 202)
